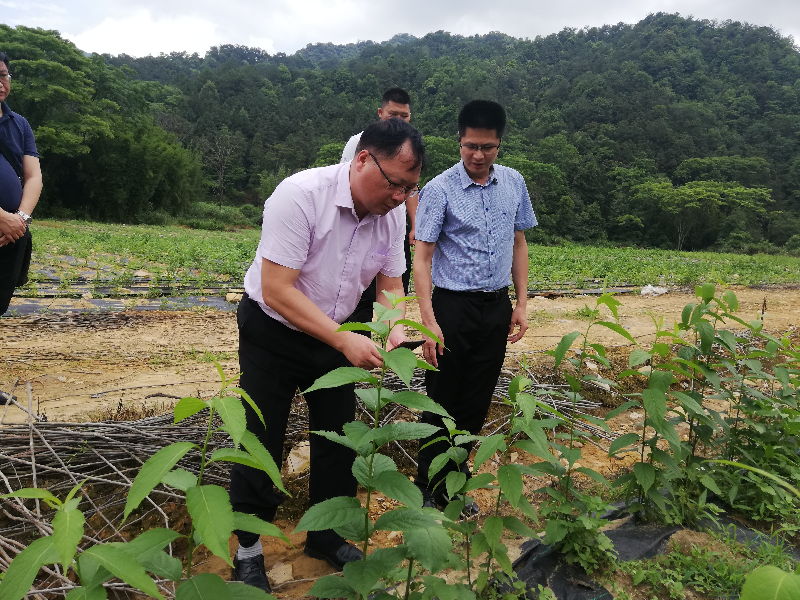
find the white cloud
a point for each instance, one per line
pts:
(140, 34)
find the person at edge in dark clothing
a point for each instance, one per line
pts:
(395, 104)
(20, 187)
(327, 233)
(470, 232)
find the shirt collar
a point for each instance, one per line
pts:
(467, 181)
(344, 195)
(7, 112)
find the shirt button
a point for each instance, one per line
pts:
(487, 210)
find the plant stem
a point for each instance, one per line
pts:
(199, 481)
(408, 577)
(375, 425)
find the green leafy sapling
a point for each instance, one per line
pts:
(212, 518)
(426, 541)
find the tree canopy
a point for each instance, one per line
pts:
(671, 132)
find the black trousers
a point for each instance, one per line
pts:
(475, 331)
(275, 361)
(15, 260)
(364, 309)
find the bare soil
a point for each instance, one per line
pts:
(92, 366)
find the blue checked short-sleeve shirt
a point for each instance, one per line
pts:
(473, 226)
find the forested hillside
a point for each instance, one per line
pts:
(671, 132)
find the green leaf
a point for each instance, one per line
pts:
(518, 527)
(331, 513)
(645, 474)
(212, 515)
(510, 480)
(594, 475)
(355, 326)
(731, 301)
(493, 530)
(180, 479)
(86, 593)
(343, 376)
(231, 411)
(771, 583)
(242, 591)
(22, 571)
(430, 546)
(149, 542)
(422, 329)
(382, 329)
(364, 575)
(404, 519)
(728, 340)
(563, 346)
(402, 361)
(119, 563)
(205, 586)
(660, 380)
(488, 447)
(689, 403)
(153, 471)
(253, 524)
(92, 574)
(246, 397)
(478, 481)
(655, 403)
(617, 328)
(67, 534)
(706, 291)
(400, 431)
(417, 401)
(235, 456)
(454, 481)
(711, 484)
(638, 356)
(397, 486)
(707, 336)
(252, 444)
(331, 586)
(163, 565)
(33, 493)
(555, 531)
(369, 396)
(623, 441)
(187, 407)
(380, 463)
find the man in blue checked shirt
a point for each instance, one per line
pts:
(470, 228)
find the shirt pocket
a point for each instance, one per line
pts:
(372, 264)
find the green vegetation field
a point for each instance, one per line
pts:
(70, 249)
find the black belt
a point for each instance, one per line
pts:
(493, 295)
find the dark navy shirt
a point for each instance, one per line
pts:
(18, 137)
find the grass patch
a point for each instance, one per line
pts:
(74, 249)
(572, 265)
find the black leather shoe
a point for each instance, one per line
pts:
(470, 510)
(337, 557)
(251, 571)
(428, 500)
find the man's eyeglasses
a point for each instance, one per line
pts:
(486, 148)
(407, 192)
(5, 76)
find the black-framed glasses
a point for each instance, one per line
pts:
(407, 192)
(485, 148)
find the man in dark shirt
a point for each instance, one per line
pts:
(20, 186)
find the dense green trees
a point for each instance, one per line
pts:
(671, 132)
(102, 155)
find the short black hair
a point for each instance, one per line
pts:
(395, 94)
(386, 138)
(4, 59)
(482, 114)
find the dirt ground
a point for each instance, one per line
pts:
(85, 366)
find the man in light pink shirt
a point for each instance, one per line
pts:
(326, 234)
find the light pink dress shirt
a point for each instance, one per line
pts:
(310, 224)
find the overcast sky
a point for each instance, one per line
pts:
(142, 27)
